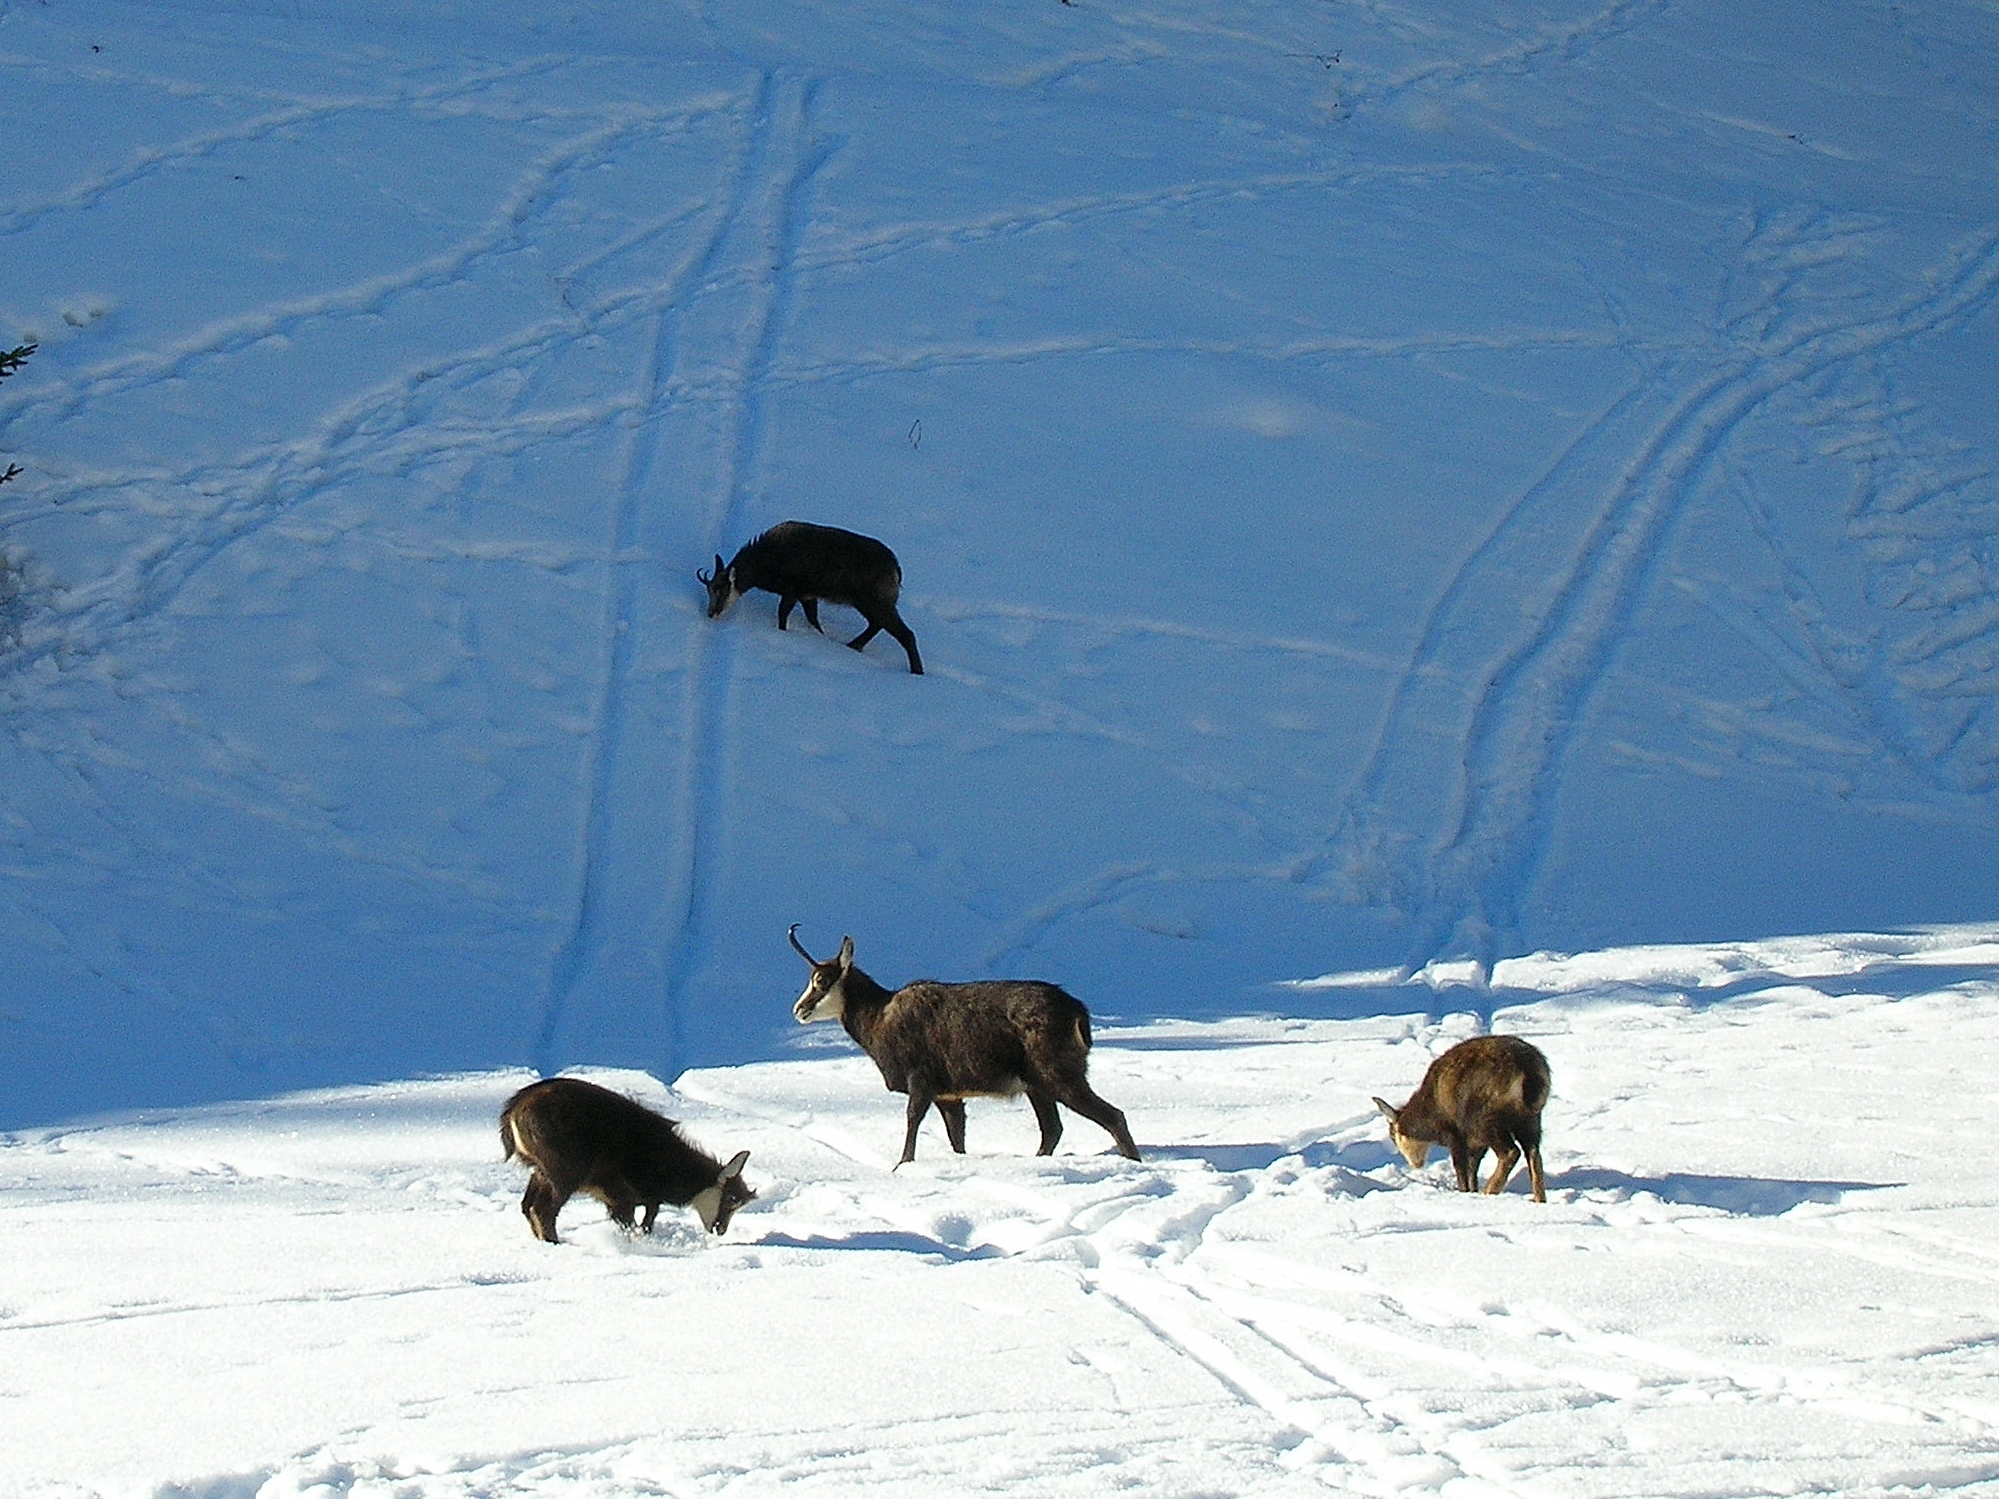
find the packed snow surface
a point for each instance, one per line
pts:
(1377, 484)
(1769, 1264)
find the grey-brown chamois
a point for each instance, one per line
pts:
(577, 1137)
(1483, 1094)
(806, 564)
(944, 1043)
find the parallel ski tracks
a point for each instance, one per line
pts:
(1318, 1371)
(788, 158)
(749, 245)
(1455, 844)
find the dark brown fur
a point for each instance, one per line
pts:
(1483, 1094)
(804, 564)
(577, 1137)
(944, 1043)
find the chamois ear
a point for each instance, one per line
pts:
(721, 567)
(736, 1164)
(846, 958)
(1389, 1113)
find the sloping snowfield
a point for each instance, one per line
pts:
(1375, 482)
(1769, 1264)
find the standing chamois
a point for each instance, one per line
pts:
(1483, 1094)
(944, 1043)
(575, 1136)
(803, 564)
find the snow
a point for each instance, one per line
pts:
(1419, 515)
(1766, 1266)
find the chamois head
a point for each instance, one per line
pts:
(824, 997)
(721, 586)
(1414, 1151)
(716, 1205)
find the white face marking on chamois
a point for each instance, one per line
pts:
(707, 1206)
(1415, 1152)
(707, 1203)
(819, 1004)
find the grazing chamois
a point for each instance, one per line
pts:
(575, 1136)
(944, 1043)
(804, 564)
(1483, 1094)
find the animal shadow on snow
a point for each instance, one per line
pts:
(1358, 1156)
(668, 1240)
(1352, 1160)
(1745, 1196)
(898, 1241)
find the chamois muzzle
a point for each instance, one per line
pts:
(720, 586)
(716, 1205)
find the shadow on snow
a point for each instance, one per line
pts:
(1748, 1196)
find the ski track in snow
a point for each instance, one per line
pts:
(1379, 1333)
(1453, 851)
(388, 430)
(1135, 1238)
(666, 352)
(790, 155)
(1457, 866)
(747, 249)
(1520, 710)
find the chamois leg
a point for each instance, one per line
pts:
(785, 604)
(906, 638)
(1049, 1120)
(1084, 1101)
(1465, 1160)
(619, 1200)
(952, 1111)
(860, 641)
(541, 1202)
(1534, 1173)
(812, 613)
(1504, 1159)
(920, 1099)
(651, 1212)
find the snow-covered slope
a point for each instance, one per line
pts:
(1767, 1266)
(1376, 483)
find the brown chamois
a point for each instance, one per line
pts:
(1483, 1094)
(577, 1137)
(944, 1043)
(804, 564)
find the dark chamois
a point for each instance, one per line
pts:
(944, 1043)
(804, 564)
(1483, 1094)
(575, 1136)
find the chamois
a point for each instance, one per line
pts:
(803, 564)
(944, 1043)
(1483, 1094)
(575, 1136)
